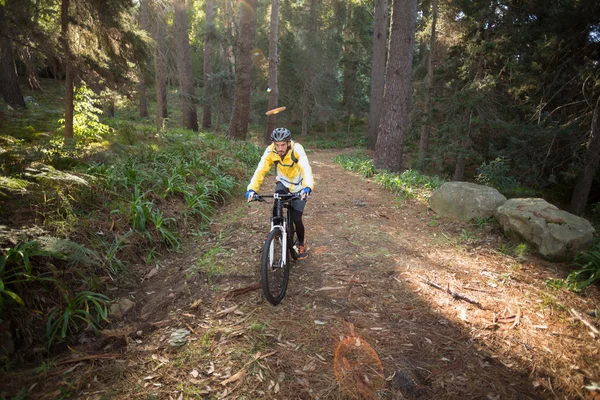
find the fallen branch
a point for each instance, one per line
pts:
(87, 358)
(587, 323)
(236, 292)
(227, 311)
(455, 295)
(517, 319)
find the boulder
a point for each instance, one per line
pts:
(464, 201)
(556, 234)
(120, 308)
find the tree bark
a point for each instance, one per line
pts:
(274, 93)
(426, 128)
(377, 69)
(9, 81)
(30, 70)
(591, 160)
(160, 66)
(305, 108)
(67, 60)
(143, 101)
(349, 69)
(240, 115)
(184, 66)
(396, 98)
(310, 52)
(208, 36)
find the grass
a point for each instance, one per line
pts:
(407, 184)
(121, 193)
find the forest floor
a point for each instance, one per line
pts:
(369, 251)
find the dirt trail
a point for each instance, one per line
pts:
(367, 251)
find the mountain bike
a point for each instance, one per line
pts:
(279, 246)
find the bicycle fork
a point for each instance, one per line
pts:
(283, 230)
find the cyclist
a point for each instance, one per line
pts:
(293, 175)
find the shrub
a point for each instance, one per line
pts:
(496, 173)
(589, 262)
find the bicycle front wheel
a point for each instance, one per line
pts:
(275, 270)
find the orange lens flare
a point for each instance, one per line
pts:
(275, 111)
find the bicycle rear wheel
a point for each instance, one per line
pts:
(274, 271)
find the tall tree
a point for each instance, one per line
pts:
(590, 166)
(208, 39)
(143, 102)
(273, 86)
(184, 66)
(396, 97)
(240, 115)
(426, 128)
(377, 69)
(310, 54)
(350, 68)
(68, 65)
(9, 82)
(160, 63)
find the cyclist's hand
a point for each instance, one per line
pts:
(250, 195)
(304, 194)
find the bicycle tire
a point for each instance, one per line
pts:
(274, 289)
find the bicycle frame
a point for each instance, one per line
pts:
(281, 201)
(278, 217)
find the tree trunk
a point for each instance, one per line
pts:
(592, 159)
(9, 81)
(350, 65)
(143, 101)
(426, 128)
(67, 60)
(240, 115)
(377, 69)
(459, 170)
(160, 65)
(208, 95)
(305, 109)
(461, 159)
(274, 93)
(396, 97)
(184, 66)
(310, 52)
(30, 70)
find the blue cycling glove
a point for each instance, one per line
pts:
(250, 195)
(305, 192)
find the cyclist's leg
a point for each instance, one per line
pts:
(297, 212)
(299, 225)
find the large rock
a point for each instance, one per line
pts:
(557, 235)
(120, 308)
(464, 201)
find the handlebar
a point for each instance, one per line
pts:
(280, 196)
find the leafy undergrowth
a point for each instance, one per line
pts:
(78, 217)
(408, 184)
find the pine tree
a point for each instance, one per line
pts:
(9, 82)
(396, 97)
(184, 66)
(238, 127)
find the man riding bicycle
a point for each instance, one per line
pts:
(293, 175)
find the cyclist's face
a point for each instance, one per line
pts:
(282, 148)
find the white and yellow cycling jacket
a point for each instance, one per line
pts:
(293, 170)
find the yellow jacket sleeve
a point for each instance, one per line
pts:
(305, 170)
(265, 164)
